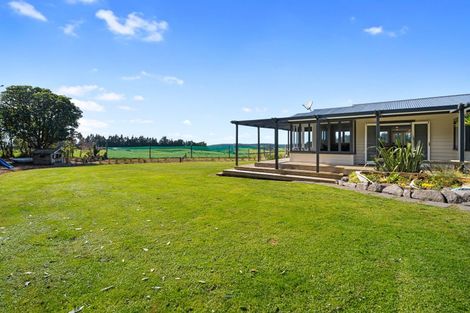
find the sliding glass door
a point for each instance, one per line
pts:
(391, 133)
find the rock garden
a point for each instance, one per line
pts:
(401, 171)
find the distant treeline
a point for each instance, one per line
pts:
(125, 141)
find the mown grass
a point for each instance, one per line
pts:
(175, 237)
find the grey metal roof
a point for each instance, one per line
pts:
(397, 106)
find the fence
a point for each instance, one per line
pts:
(160, 152)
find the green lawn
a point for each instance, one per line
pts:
(175, 237)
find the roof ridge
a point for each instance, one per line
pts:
(412, 99)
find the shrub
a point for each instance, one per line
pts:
(441, 179)
(400, 158)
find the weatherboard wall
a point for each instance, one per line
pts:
(441, 140)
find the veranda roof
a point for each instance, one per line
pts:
(419, 105)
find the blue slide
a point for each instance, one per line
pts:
(6, 164)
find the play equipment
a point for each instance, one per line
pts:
(6, 164)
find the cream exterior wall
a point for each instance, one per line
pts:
(441, 143)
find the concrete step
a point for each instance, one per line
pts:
(290, 172)
(274, 176)
(303, 167)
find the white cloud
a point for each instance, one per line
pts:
(70, 28)
(139, 98)
(374, 30)
(140, 121)
(26, 9)
(125, 108)
(379, 30)
(187, 122)
(255, 109)
(171, 80)
(88, 126)
(134, 26)
(141, 75)
(88, 105)
(110, 96)
(79, 90)
(135, 77)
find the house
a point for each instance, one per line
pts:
(48, 156)
(350, 135)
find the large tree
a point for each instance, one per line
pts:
(37, 116)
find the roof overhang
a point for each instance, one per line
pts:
(281, 123)
(354, 115)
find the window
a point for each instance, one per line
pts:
(307, 139)
(324, 137)
(336, 136)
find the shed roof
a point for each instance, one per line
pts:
(47, 151)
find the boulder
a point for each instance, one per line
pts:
(349, 185)
(362, 186)
(393, 190)
(345, 178)
(340, 182)
(375, 187)
(428, 195)
(407, 193)
(451, 196)
(464, 194)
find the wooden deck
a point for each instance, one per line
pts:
(291, 171)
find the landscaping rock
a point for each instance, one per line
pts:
(451, 196)
(349, 185)
(340, 182)
(464, 194)
(407, 193)
(362, 186)
(375, 187)
(428, 195)
(345, 178)
(393, 190)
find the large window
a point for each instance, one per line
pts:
(336, 136)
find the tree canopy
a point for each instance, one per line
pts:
(125, 141)
(36, 116)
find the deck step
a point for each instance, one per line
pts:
(303, 167)
(274, 176)
(296, 172)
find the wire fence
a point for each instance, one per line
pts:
(160, 152)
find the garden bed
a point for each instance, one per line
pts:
(446, 186)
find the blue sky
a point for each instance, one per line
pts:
(186, 68)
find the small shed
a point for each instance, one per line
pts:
(48, 156)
